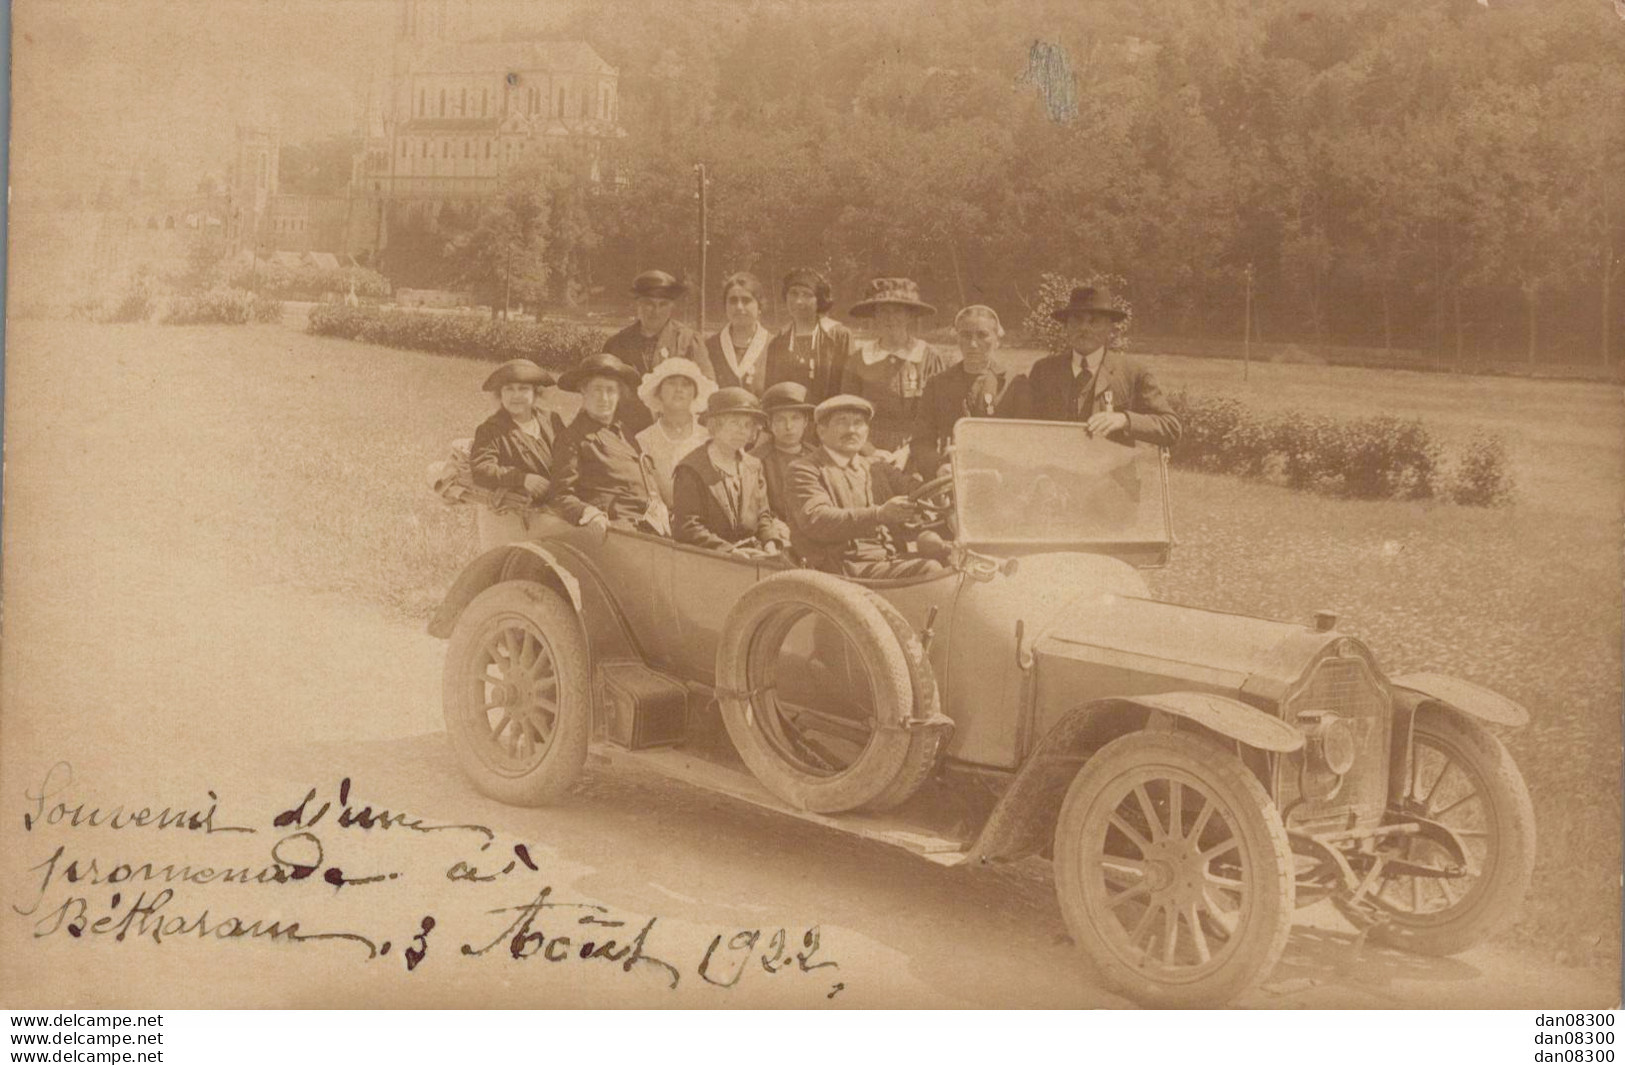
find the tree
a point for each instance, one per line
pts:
(502, 257)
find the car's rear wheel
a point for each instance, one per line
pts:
(1173, 870)
(1463, 778)
(515, 693)
(816, 677)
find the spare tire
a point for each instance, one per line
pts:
(835, 728)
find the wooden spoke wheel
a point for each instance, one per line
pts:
(515, 696)
(1173, 870)
(1463, 778)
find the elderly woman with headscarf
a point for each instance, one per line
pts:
(813, 349)
(739, 349)
(671, 391)
(891, 370)
(970, 387)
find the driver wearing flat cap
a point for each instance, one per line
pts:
(840, 526)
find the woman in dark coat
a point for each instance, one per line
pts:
(970, 387)
(812, 350)
(720, 492)
(513, 448)
(891, 370)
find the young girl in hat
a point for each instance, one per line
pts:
(671, 391)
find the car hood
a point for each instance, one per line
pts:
(1090, 608)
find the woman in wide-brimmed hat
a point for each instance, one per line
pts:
(599, 471)
(721, 493)
(512, 452)
(739, 349)
(513, 448)
(891, 370)
(813, 349)
(671, 391)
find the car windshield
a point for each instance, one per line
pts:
(1022, 482)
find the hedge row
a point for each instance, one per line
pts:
(1380, 457)
(225, 306)
(556, 345)
(305, 282)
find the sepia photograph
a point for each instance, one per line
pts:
(813, 504)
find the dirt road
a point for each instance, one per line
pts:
(141, 654)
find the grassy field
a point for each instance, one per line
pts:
(302, 458)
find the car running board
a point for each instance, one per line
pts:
(739, 784)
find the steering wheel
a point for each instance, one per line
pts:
(935, 498)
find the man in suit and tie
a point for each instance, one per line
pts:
(1091, 382)
(840, 526)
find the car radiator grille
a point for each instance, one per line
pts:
(1310, 796)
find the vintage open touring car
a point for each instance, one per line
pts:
(1193, 775)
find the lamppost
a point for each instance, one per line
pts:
(699, 194)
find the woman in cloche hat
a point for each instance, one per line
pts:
(721, 494)
(671, 391)
(891, 370)
(513, 448)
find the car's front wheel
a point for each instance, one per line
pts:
(515, 693)
(1173, 870)
(1463, 778)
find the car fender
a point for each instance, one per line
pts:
(1462, 696)
(1413, 691)
(508, 562)
(1025, 814)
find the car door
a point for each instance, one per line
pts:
(704, 585)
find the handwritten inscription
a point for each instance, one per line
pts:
(59, 778)
(78, 892)
(363, 819)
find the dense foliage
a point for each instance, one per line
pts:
(304, 282)
(224, 306)
(556, 345)
(1441, 175)
(1379, 457)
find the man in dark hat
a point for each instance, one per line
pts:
(598, 472)
(812, 350)
(840, 526)
(513, 448)
(656, 336)
(788, 417)
(1092, 382)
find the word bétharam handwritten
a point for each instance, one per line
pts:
(543, 927)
